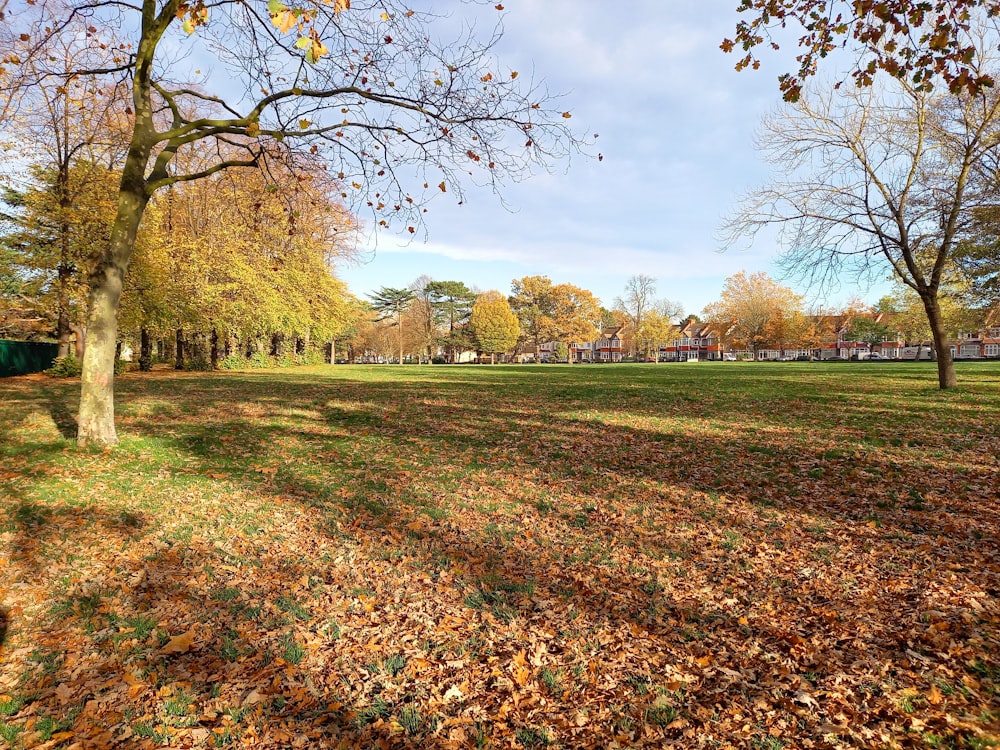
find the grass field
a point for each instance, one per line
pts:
(700, 556)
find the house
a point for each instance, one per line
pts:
(830, 337)
(984, 343)
(609, 347)
(696, 341)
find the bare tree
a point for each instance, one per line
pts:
(640, 290)
(360, 88)
(874, 181)
(425, 317)
(669, 309)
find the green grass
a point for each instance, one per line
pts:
(586, 536)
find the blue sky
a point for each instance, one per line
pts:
(676, 125)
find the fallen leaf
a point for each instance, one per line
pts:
(934, 697)
(180, 644)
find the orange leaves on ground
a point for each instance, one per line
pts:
(435, 559)
(182, 643)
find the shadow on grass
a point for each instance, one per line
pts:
(62, 409)
(671, 532)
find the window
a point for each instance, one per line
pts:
(992, 350)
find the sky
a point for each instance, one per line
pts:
(676, 127)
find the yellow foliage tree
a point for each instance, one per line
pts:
(494, 324)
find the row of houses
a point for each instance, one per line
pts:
(610, 347)
(697, 341)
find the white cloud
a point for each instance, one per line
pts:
(676, 126)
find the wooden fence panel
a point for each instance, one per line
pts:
(23, 357)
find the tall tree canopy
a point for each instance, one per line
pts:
(363, 89)
(390, 304)
(452, 301)
(494, 324)
(53, 223)
(895, 171)
(752, 308)
(576, 313)
(533, 301)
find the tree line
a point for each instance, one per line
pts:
(232, 265)
(446, 321)
(363, 92)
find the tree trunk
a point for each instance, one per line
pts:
(65, 269)
(399, 322)
(214, 351)
(945, 365)
(145, 350)
(63, 328)
(179, 349)
(97, 397)
(81, 341)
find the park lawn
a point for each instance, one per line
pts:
(737, 555)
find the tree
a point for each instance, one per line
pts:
(876, 180)
(373, 337)
(452, 300)
(51, 228)
(819, 328)
(918, 41)
(424, 318)
(390, 304)
(532, 300)
(978, 256)
(226, 259)
(638, 298)
(868, 330)
(494, 324)
(910, 319)
(751, 309)
(613, 318)
(72, 131)
(656, 329)
(361, 88)
(576, 313)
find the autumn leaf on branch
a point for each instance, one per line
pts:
(920, 41)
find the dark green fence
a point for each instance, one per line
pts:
(22, 357)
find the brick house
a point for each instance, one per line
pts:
(695, 341)
(982, 344)
(608, 348)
